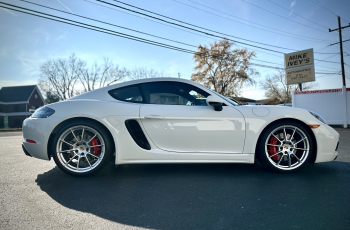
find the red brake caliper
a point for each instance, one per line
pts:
(95, 149)
(273, 149)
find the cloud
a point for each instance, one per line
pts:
(62, 36)
(4, 83)
(277, 40)
(65, 6)
(293, 3)
(255, 94)
(290, 13)
(43, 34)
(8, 11)
(30, 63)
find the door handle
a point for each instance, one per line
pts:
(153, 117)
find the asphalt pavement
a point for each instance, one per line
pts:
(35, 194)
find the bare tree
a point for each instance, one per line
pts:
(276, 88)
(100, 76)
(141, 73)
(224, 69)
(59, 77)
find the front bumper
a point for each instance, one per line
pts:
(327, 142)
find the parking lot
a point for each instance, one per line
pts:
(36, 194)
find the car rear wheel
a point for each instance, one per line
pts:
(284, 147)
(82, 148)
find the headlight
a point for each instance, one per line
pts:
(43, 112)
(318, 117)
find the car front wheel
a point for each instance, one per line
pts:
(284, 147)
(82, 148)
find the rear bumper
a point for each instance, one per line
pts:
(39, 130)
(25, 150)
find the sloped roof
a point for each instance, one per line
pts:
(269, 101)
(244, 99)
(16, 93)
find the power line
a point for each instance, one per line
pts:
(327, 61)
(198, 27)
(99, 29)
(328, 57)
(126, 28)
(297, 14)
(323, 75)
(282, 57)
(282, 16)
(323, 48)
(183, 29)
(322, 6)
(326, 67)
(111, 32)
(108, 23)
(187, 31)
(95, 28)
(195, 26)
(287, 35)
(325, 8)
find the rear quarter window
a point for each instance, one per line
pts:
(129, 94)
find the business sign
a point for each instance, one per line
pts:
(298, 75)
(6, 122)
(299, 59)
(299, 66)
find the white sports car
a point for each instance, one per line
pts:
(169, 120)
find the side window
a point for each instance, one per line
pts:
(128, 94)
(173, 93)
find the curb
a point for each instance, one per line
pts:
(10, 130)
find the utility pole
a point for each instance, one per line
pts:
(345, 105)
(341, 48)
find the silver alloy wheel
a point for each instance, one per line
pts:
(80, 149)
(290, 151)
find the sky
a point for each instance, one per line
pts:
(28, 41)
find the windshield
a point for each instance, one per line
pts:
(225, 98)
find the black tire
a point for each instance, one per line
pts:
(106, 139)
(291, 158)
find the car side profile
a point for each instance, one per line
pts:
(170, 120)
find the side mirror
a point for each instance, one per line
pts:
(215, 101)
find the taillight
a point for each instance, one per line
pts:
(30, 141)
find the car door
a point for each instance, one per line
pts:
(177, 118)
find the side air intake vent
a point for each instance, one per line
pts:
(137, 134)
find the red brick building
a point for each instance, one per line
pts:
(15, 103)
